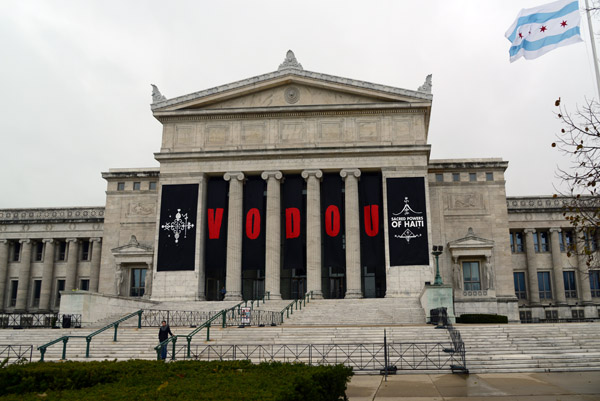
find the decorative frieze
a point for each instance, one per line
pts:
(43, 215)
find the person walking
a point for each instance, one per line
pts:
(223, 292)
(163, 334)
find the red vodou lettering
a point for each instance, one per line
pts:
(253, 223)
(372, 220)
(292, 222)
(332, 220)
(215, 218)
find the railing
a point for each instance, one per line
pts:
(88, 338)
(15, 353)
(289, 309)
(362, 356)
(38, 320)
(154, 317)
(458, 345)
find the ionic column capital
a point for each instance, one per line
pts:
(555, 230)
(25, 241)
(3, 241)
(96, 239)
(238, 175)
(271, 174)
(306, 174)
(348, 172)
(529, 230)
(71, 240)
(48, 240)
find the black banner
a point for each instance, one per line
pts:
(253, 239)
(407, 221)
(177, 236)
(333, 219)
(372, 247)
(294, 224)
(215, 245)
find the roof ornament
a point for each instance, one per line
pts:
(290, 62)
(133, 241)
(426, 87)
(470, 232)
(156, 95)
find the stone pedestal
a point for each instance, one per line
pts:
(438, 296)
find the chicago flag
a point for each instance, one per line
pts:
(540, 29)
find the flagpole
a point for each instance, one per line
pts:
(589, 18)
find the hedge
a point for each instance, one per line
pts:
(481, 318)
(184, 380)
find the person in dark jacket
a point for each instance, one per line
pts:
(163, 334)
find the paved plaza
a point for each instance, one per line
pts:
(565, 386)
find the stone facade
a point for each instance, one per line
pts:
(297, 122)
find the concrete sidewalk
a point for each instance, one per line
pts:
(566, 386)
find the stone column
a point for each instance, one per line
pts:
(24, 270)
(583, 272)
(3, 269)
(353, 268)
(534, 290)
(273, 234)
(72, 256)
(233, 277)
(557, 274)
(148, 284)
(96, 244)
(313, 231)
(47, 274)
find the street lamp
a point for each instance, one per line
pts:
(437, 251)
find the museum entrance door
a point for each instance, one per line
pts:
(212, 289)
(298, 287)
(336, 288)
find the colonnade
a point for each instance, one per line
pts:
(273, 233)
(25, 264)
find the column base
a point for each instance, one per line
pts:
(274, 297)
(233, 296)
(317, 295)
(353, 294)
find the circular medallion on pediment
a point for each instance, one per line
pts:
(291, 94)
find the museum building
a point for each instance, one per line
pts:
(296, 181)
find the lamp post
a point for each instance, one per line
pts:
(437, 251)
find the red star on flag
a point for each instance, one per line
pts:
(543, 29)
(563, 24)
(520, 35)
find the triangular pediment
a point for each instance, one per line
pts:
(291, 87)
(470, 242)
(132, 248)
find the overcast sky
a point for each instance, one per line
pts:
(75, 79)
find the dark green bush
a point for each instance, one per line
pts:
(185, 380)
(481, 318)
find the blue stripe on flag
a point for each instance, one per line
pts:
(538, 18)
(538, 44)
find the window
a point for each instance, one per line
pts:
(120, 186)
(591, 243)
(471, 276)
(62, 251)
(566, 240)
(85, 250)
(595, 282)
(540, 241)
(516, 242)
(136, 186)
(16, 251)
(569, 280)
(455, 177)
(84, 284)
(152, 185)
(138, 282)
(472, 177)
(520, 291)
(37, 290)
(39, 251)
(60, 286)
(14, 287)
(489, 176)
(439, 177)
(544, 285)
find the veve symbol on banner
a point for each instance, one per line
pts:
(399, 222)
(179, 225)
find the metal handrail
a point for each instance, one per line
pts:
(306, 298)
(189, 336)
(88, 338)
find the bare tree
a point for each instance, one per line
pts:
(579, 140)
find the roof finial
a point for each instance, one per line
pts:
(156, 95)
(290, 62)
(426, 87)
